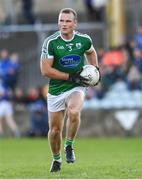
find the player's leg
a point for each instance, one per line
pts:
(74, 107)
(8, 114)
(1, 128)
(1, 118)
(56, 121)
(12, 124)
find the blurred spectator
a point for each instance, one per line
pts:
(19, 96)
(44, 91)
(138, 38)
(100, 52)
(129, 46)
(127, 51)
(14, 70)
(3, 16)
(90, 93)
(138, 59)
(99, 91)
(6, 112)
(9, 68)
(108, 77)
(134, 78)
(95, 9)
(4, 63)
(95, 92)
(38, 113)
(27, 8)
(20, 100)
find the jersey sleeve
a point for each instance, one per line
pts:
(89, 44)
(47, 50)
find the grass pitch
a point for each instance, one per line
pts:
(112, 158)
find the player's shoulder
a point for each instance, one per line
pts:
(82, 35)
(52, 37)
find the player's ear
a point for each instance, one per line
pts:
(75, 25)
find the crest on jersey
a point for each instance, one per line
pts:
(78, 45)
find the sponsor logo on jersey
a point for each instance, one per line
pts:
(60, 47)
(78, 45)
(70, 61)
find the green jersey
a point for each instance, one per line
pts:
(68, 57)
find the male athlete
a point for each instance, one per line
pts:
(62, 59)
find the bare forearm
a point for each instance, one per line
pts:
(55, 74)
(92, 58)
(93, 62)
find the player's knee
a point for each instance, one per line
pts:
(74, 113)
(55, 131)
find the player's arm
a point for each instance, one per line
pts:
(46, 62)
(48, 71)
(91, 56)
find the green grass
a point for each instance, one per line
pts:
(96, 159)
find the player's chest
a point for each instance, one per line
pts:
(65, 48)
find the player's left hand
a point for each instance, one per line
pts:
(76, 78)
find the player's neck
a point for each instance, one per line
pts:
(67, 37)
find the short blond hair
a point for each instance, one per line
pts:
(68, 11)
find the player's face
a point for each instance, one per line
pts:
(66, 23)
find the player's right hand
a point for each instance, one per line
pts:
(78, 79)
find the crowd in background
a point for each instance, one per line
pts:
(9, 68)
(95, 11)
(120, 64)
(35, 102)
(11, 95)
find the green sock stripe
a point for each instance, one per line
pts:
(56, 156)
(69, 142)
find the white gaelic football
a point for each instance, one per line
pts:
(92, 73)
